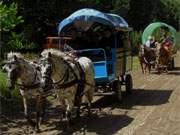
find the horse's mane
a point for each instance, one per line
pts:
(56, 53)
(18, 55)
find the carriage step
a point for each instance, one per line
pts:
(105, 93)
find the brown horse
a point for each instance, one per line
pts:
(164, 57)
(146, 58)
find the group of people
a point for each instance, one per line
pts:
(151, 42)
(166, 41)
(151, 46)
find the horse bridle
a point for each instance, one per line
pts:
(32, 86)
(62, 84)
(65, 77)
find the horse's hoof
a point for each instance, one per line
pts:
(71, 123)
(37, 131)
(66, 126)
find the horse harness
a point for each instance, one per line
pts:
(64, 82)
(149, 59)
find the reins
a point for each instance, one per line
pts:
(65, 76)
(72, 82)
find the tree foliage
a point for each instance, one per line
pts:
(121, 7)
(11, 38)
(142, 12)
(8, 17)
(42, 16)
(18, 42)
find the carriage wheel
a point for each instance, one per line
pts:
(117, 89)
(128, 84)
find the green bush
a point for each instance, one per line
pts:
(8, 21)
(18, 42)
(4, 92)
(8, 17)
(136, 41)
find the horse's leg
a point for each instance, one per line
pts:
(32, 123)
(145, 67)
(142, 68)
(42, 108)
(78, 106)
(89, 99)
(67, 119)
(166, 69)
(149, 68)
(141, 65)
(158, 66)
(69, 108)
(40, 111)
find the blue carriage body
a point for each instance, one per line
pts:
(108, 65)
(100, 64)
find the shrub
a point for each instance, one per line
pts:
(18, 42)
(4, 92)
(136, 41)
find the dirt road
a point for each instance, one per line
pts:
(152, 109)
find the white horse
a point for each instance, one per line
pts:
(28, 77)
(73, 79)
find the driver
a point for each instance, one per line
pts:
(64, 47)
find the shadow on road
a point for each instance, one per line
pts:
(99, 123)
(103, 124)
(174, 71)
(139, 97)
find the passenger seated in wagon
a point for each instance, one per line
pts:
(64, 47)
(151, 42)
(167, 42)
(150, 46)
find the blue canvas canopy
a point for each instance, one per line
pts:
(83, 19)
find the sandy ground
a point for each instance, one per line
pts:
(152, 109)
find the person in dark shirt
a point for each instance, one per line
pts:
(64, 47)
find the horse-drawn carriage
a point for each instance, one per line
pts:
(105, 39)
(165, 41)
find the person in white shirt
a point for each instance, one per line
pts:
(151, 47)
(149, 42)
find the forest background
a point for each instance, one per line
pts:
(25, 24)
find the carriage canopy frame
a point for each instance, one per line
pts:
(116, 51)
(83, 19)
(153, 26)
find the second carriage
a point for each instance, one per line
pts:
(166, 41)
